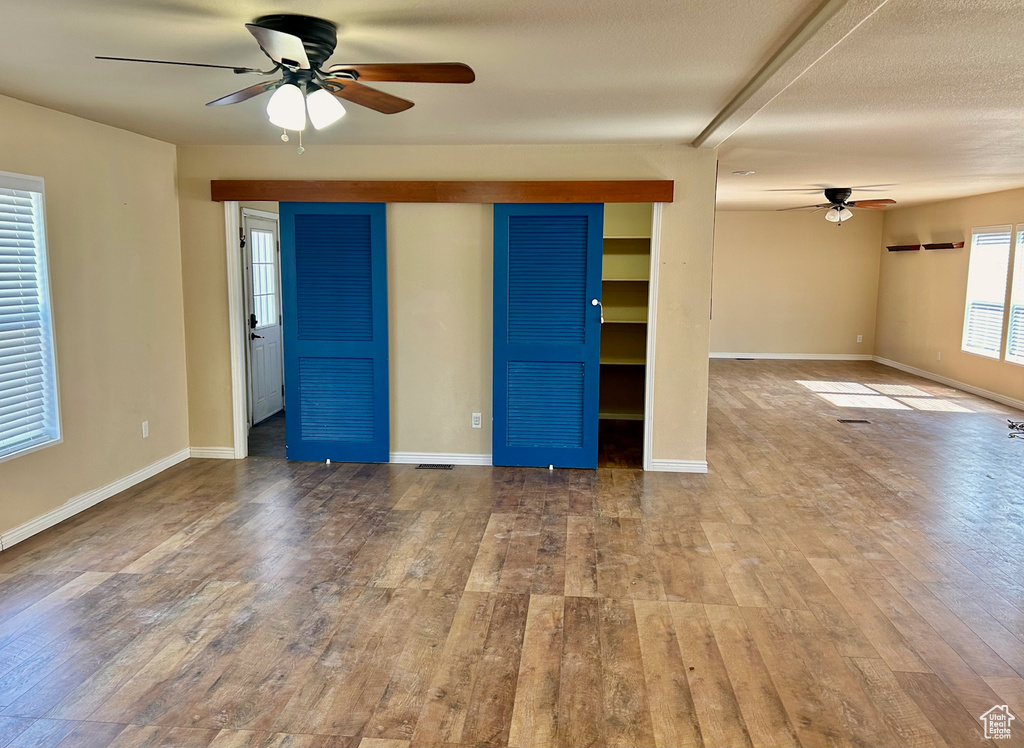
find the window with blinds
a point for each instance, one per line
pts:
(29, 416)
(986, 291)
(1015, 330)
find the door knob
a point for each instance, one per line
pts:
(597, 303)
(253, 336)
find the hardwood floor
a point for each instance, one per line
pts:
(825, 584)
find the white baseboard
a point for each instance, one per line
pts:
(85, 500)
(438, 458)
(677, 466)
(798, 356)
(988, 395)
(213, 453)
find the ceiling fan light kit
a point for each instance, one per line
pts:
(299, 47)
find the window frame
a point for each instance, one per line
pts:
(1016, 255)
(999, 354)
(29, 183)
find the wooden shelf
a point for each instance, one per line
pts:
(625, 302)
(622, 393)
(628, 220)
(623, 345)
(627, 259)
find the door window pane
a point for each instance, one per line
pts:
(264, 278)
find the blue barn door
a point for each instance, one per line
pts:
(547, 334)
(334, 284)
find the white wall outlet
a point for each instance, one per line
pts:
(478, 421)
(938, 356)
(860, 338)
(145, 429)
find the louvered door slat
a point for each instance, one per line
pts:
(333, 269)
(547, 269)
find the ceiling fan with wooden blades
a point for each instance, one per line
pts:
(839, 204)
(299, 46)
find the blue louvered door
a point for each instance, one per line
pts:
(547, 334)
(334, 284)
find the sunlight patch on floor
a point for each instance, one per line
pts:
(904, 396)
(863, 401)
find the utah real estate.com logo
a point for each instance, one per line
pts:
(997, 722)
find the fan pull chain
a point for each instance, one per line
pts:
(284, 135)
(301, 150)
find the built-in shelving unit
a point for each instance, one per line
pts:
(625, 280)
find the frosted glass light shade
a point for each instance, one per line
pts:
(324, 108)
(287, 108)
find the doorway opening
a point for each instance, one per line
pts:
(263, 341)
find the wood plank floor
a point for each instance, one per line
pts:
(826, 584)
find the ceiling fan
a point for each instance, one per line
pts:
(839, 204)
(299, 46)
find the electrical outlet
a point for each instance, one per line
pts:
(938, 356)
(478, 421)
(860, 338)
(145, 429)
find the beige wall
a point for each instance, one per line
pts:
(428, 414)
(115, 267)
(794, 283)
(921, 294)
(439, 323)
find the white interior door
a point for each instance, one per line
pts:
(263, 276)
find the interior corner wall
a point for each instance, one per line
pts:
(440, 281)
(921, 294)
(115, 274)
(793, 283)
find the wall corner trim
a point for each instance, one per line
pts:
(438, 458)
(799, 356)
(987, 394)
(677, 466)
(83, 501)
(213, 453)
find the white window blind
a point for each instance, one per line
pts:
(986, 291)
(29, 416)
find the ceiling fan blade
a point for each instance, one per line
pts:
(371, 98)
(245, 94)
(284, 49)
(187, 64)
(410, 72)
(806, 207)
(871, 204)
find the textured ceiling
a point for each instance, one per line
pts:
(926, 95)
(548, 71)
(923, 95)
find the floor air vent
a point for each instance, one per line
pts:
(433, 466)
(852, 420)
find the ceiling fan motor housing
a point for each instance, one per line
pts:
(319, 37)
(838, 195)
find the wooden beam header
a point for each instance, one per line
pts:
(325, 191)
